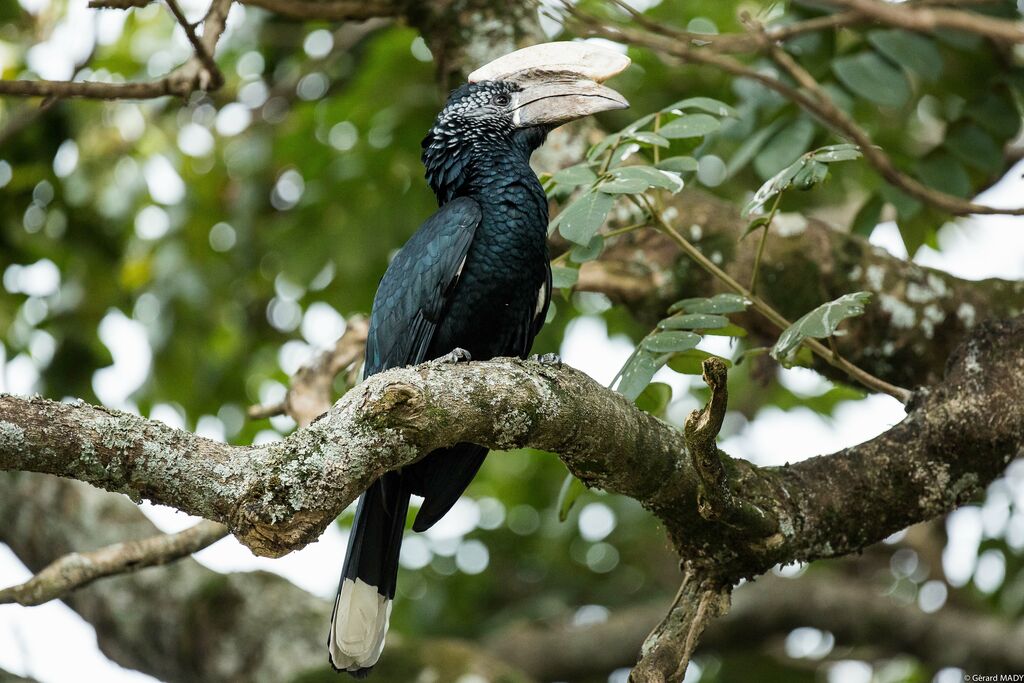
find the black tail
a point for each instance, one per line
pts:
(361, 610)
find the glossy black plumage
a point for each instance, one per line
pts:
(474, 276)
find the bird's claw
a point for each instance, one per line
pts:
(456, 355)
(547, 359)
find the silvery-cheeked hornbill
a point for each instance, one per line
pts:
(473, 282)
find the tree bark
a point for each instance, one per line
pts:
(916, 319)
(957, 437)
(185, 623)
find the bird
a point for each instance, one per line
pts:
(472, 283)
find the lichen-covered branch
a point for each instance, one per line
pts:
(182, 622)
(277, 497)
(74, 570)
(917, 318)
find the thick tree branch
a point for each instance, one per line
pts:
(186, 604)
(917, 318)
(183, 623)
(277, 497)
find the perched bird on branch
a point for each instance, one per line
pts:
(474, 282)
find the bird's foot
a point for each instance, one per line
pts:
(547, 359)
(456, 355)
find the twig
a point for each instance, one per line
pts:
(927, 19)
(824, 110)
(74, 570)
(215, 78)
(329, 10)
(764, 240)
(182, 82)
(310, 391)
(117, 4)
(827, 111)
(776, 318)
(737, 42)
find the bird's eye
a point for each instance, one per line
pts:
(502, 100)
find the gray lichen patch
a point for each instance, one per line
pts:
(118, 432)
(12, 437)
(901, 315)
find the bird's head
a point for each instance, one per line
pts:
(511, 104)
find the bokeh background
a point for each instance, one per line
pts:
(182, 259)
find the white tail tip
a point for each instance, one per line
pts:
(359, 625)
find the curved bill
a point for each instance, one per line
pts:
(586, 60)
(558, 100)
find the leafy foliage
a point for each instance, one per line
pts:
(820, 323)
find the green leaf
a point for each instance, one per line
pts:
(692, 362)
(593, 249)
(634, 179)
(671, 341)
(917, 230)
(831, 153)
(623, 186)
(807, 171)
(996, 113)
(638, 124)
(942, 171)
(868, 216)
(564, 277)
(649, 138)
(784, 148)
(678, 164)
(652, 176)
(694, 321)
(719, 303)
(780, 182)
(820, 323)
(636, 374)
(581, 220)
(654, 398)
(803, 358)
(580, 174)
(690, 126)
(706, 104)
(975, 147)
(759, 222)
(572, 489)
(910, 50)
(552, 312)
(810, 175)
(873, 78)
(602, 146)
